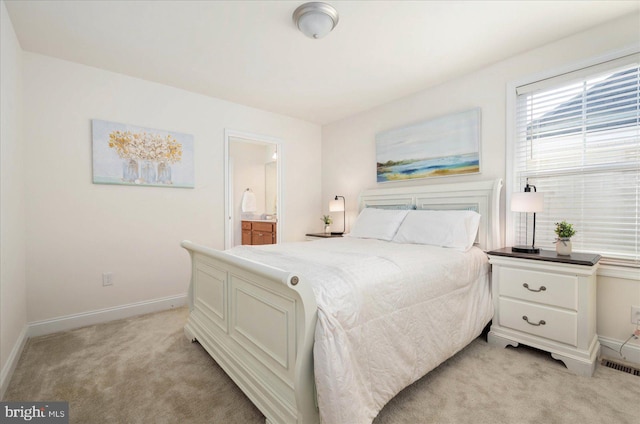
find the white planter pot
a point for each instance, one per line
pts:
(563, 247)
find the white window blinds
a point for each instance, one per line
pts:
(578, 141)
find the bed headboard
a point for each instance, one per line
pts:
(480, 196)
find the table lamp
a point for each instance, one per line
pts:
(337, 206)
(528, 201)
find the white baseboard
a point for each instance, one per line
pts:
(610, 348)
(12, 361)
(70, 322)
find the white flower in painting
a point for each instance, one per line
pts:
(145, 146)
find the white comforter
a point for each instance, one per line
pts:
(388, 313)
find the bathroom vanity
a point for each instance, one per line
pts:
(259, 232)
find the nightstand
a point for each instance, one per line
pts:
(548, 302)
(316, 236)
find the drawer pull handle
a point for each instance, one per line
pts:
(541, 322)
(526, 286)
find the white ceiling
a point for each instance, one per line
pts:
(250, 52)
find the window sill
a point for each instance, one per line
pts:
(609, 269)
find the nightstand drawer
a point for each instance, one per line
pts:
(538, 286)
(559, 325)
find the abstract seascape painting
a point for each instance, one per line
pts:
(444, 146)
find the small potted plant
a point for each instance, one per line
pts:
(327, 223)
(564, 231)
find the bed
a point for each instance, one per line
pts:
(333, 329)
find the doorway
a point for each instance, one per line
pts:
(253, 164)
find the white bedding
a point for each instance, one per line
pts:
(388, 313)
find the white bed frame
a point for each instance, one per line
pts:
(258, 322)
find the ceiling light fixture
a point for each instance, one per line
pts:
(315, 19)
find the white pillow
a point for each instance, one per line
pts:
(379, 224)
(456, 228)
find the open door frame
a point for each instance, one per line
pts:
(228, 181)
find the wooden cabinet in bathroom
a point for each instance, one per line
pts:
(259, 232)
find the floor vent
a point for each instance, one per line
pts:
(624, 368)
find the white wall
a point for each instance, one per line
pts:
(78, 230)
(348, 146)
(13, 304)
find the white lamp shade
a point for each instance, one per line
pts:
(336, 205)
(315, 24)
(528, 201)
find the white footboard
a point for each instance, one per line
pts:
(258, 323)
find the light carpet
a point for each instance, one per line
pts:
(144, 370)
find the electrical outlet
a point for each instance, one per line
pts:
(635, 315)
(107, 278)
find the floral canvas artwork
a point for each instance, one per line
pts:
(131, 155)
(444, 146)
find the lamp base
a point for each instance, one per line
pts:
(525, 249)
(337, 234)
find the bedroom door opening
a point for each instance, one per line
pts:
(253, 184)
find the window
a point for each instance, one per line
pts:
(577, 139)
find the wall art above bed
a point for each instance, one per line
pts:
(131, 155)
(444, 146)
